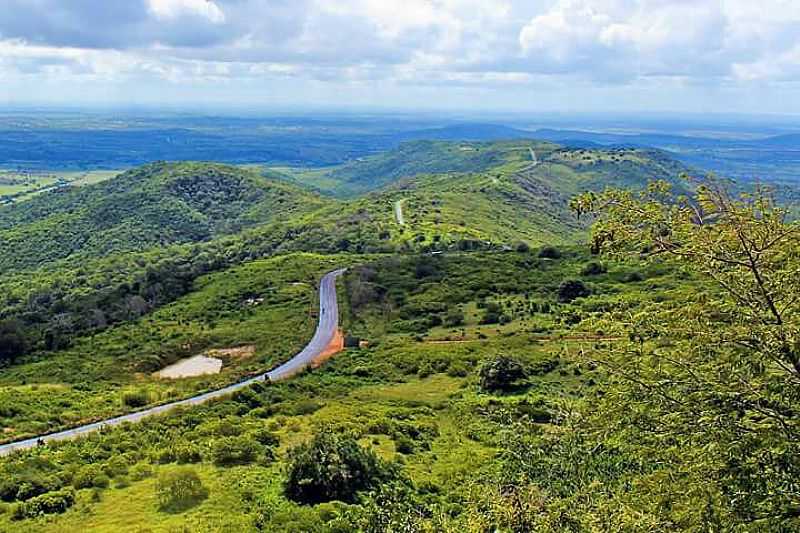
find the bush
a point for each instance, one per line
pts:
(457, 370)
(188, 453)
(593, 269)
(135, 398)
(501, 373)
(90, 476)
(522, 247)
(633, 277)
(50, 503)
(332, 467)
(266, 437)
(572, 289)
(229, 451)
(550, 252)
(141, 471)
(404, 445)
(179, 488)
(12, 341)
(490, 317)
(454, 317)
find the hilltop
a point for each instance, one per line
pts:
(155, 205)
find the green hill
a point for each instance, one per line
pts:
(476, 193)
(154, 205)
(567, 170)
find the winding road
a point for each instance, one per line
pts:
(398, 212)
(326, 329)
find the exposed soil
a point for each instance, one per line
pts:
(199, 365)
(334, 347)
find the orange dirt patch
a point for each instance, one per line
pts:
(335, 346)
(235, 353)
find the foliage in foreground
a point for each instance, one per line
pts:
(709, 391)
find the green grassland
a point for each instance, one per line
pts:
(17, 186)
(105, 284)
(92, 378)
(411, 395)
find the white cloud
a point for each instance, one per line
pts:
(445, 43)
(173, 9)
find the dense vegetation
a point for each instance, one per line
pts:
(155, 205)
(498, 376)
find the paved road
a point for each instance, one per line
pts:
(398, 212)
(326, 329)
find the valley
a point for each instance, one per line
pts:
(485, 351)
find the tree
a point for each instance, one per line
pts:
(572, 289)
(179, 488)
(502, 373)
(332, 467)
(710, 387)
(550, 252)
(454, 317)
(12, 341)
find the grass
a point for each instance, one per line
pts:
(20, 186)
(414, 401)
(89, 380)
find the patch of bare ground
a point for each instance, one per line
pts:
(240, 352)
(334, 347)
(199, 365)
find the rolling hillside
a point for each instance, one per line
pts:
(469, 194)
(566, 169)
(154, 205)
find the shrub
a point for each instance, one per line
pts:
(490, 317)
(135, 398)
(572, 289)
(522, 247)
(90, 476)
(179, 488)
(454, 317)
(303, 408)
(188, 453)
(457, 370)
(266, 437)
(332, 467)
(15, 488)
(404, 445)
(230, 451)
(141, 471)
(50, 503)
(633, 277)
(550, 252)
(593, 269)
(12, 341)
(501, 373)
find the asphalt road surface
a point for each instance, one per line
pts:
(326, 329)
(398, 212)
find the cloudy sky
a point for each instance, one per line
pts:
(599, 55)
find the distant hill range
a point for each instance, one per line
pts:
(488, 192)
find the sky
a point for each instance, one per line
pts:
(692, 56)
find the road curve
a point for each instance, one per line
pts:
(398, 212)
(326, 329)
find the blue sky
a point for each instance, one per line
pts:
(532, 55)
